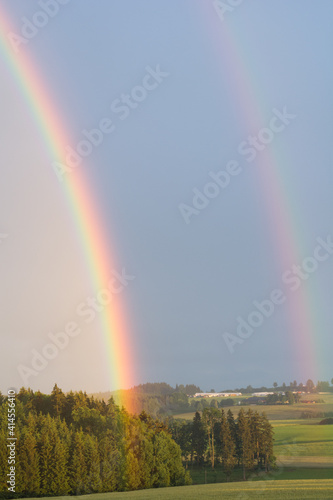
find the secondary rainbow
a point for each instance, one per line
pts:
(82, 207)
(285, 233)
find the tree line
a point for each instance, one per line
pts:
(159, 399)
(218, 438)
(73, 444)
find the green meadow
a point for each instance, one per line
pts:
(319, 489)
(303, 440)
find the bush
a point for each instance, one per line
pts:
(326, 421)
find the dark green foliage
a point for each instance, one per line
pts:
(216, 438)
(326, 421)
(199, 439)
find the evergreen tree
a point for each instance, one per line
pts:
(58, 401)
(41, 403)
(228, 446)
(255, 423)
(146, 459)
(45, 446)
(3, 456)
(110, 462)
(68, 407)
(93, 481)
(244, 436)
(60, 477)
(267, 443)
(132, 480)
(54, 454)
(198, 438)
(185, 441)
(28, 476)
(78, 473)
(210, 417)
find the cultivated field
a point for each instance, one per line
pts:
(279, 412)
(270, 490)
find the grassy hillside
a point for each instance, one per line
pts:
(285, 412)
(302, 443)
(320, 489)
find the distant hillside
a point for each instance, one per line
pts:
(157, 399)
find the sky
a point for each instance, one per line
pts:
(212, 179)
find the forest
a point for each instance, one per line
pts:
(75, 444)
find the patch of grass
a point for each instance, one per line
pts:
(318, 489)
(303, 440)
(293, 473)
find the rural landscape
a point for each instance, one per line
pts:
(166, 250)
(250, 442)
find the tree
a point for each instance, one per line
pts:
(290, 397)
(254, 422)
(210, 417)
(110, 462)
(198, 406)
(78, 465)
(182, 434)
(54, 455)
(28, 475)
(93, 481)
(46, 455)
(168, 470)
(199, 442)
(267, 442)
(245, 449)
(3, 456)
(58, 401)
(228, 446)
(323, 386)
(146, 457)
(191, 389)
(310, 387)
(275, 385)
(42, 403)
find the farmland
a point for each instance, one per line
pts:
(319, 489)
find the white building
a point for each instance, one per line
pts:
(216, 394)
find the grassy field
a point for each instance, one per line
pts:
(320, 489)
(303, 440)
(279, 412)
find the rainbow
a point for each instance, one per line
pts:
(83, 208)
(269, 174)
